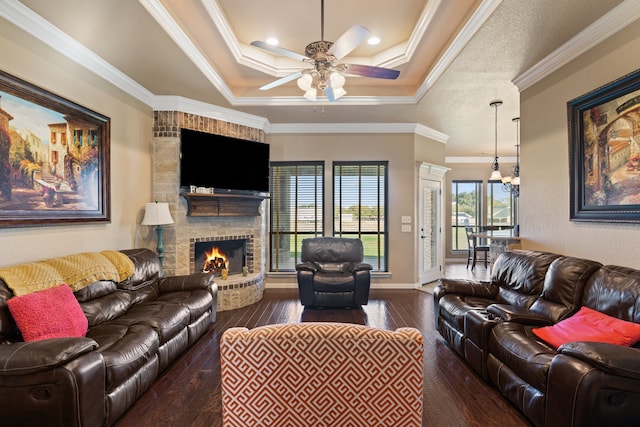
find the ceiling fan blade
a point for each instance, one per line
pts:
(282, 81)
(370, 71)
(279, 50)
(349, 41)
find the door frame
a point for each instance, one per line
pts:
(433, 173)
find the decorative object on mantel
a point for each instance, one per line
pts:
(512, 183)
(157, 214)
(495, 167)
(223, 204)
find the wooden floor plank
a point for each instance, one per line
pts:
(188, 393)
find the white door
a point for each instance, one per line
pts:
(430, 258)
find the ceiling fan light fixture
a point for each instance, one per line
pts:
(336, 80)
(311, 94)
(338, 93)
(305, 82)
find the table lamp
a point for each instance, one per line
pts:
(157, 214)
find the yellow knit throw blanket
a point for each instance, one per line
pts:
(77, 271)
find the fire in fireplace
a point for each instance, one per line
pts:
(212, 257)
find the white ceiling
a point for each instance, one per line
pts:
(454, 56)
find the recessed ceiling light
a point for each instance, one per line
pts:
(273, 41)
(373, 40)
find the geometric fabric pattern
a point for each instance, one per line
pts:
(321, 375)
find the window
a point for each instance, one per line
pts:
(359, 208)
(296, 210)
(500, 205)
(465, 211)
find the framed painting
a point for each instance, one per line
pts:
(54, 158)
(604, 152)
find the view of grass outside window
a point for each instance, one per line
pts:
(296, 210)
(500, 205)
(359, 207)
(466, 211)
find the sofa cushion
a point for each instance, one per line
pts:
(197, 301)
(514, 345)
(147, 269)
(590, 325)
(107, 307)
(50, 313)
(165, 318)
(125, 349)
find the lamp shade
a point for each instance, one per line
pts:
(495, 176)
(157, 214)
(305, 82)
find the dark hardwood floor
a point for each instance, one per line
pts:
(188, 392)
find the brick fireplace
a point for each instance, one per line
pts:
(180, 238)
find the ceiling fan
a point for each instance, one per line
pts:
(327, 75)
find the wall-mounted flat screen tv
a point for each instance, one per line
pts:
(224, 163)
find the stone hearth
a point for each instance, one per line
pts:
(237, 290)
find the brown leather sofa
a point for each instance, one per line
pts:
(577, 384)
(137, 327)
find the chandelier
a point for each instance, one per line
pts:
(512, 183)
(495, 167)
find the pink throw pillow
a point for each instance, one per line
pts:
(590, 325)
(50, 313)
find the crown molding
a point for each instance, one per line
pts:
(29, 21)
(171, 27)
(32, 23)
(479, 17)
(362, 128)
(479, 159)
(278, 67)
(613, 21)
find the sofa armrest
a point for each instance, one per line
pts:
(186, 282)
(610, 358)
(307, 266)
(522, 315)
(23, 358)
(360, 266)
(475, 288)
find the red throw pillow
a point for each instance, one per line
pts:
(590, 325)
(50, 313)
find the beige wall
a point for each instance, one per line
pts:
(544, 202)
(131, 124)
(402, 151)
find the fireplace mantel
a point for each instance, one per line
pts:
(223, 204)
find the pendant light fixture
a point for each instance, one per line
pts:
(495, 167)
(512, 183)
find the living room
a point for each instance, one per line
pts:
(544, 202)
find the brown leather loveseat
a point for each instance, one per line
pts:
(576, 383)
(136, 328)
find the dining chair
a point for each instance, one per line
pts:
(474, 249)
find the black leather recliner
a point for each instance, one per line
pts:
(332, 273)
